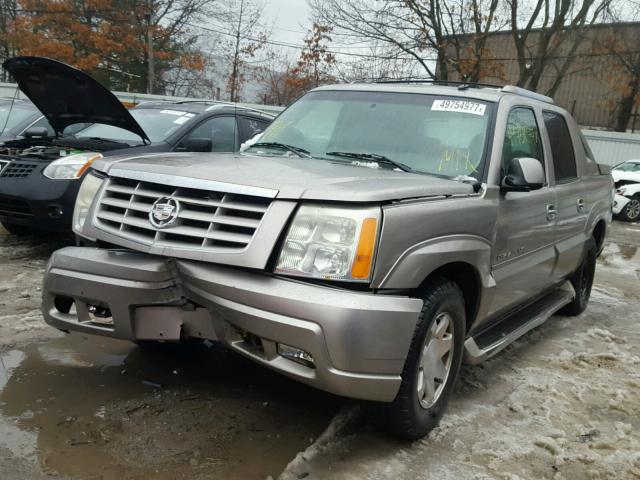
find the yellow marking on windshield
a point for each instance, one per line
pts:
(452, 159)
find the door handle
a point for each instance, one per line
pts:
(580, 205)
(551, 212)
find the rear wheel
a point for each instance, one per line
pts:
(631, 211)
(18, 230)
(432, 365)
(582, 281)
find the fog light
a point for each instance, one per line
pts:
(296, 355)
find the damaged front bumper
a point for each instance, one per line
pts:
(619, 202)
(358, 341)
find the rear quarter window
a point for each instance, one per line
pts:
(590, 164)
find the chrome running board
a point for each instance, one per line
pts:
(489, 342)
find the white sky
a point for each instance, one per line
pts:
(287, 15)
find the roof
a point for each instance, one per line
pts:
(470, 90)
(203, 106)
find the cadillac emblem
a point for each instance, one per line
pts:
(164, 212)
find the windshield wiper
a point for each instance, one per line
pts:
(374, 157)
(301, 152)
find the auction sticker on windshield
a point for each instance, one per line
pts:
(462, 106)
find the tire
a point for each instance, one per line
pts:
(582, 281)
(631, 211)
(415, 410)
(18, 230)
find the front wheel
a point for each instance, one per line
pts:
(631, 211)
(433, 363)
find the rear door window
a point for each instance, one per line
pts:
(564, 159)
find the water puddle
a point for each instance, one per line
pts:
(100, 408)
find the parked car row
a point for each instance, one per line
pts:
(72, 120)
(626, 203)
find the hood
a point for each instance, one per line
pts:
(66, 95)
(622, 175)
(293, 178)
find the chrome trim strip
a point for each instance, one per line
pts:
(188, 182)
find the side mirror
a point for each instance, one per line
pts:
(36, 132)
(524, 174)
(195, 145)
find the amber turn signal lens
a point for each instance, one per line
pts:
(364, 254)
(86, 166)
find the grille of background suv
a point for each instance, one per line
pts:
(206, 219)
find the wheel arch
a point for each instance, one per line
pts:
(467, 277)
(462, 258)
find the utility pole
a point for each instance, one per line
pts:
(233, 91)
(150, 59)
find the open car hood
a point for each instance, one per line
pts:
(65, 95)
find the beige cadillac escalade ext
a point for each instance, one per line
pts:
(370, 240)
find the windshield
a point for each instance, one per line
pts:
(628, 167)
(12, 116)
(428, 133)
(158, 125)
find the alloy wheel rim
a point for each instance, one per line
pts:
(435, 360)
(633, 209)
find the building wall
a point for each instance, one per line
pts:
(591, 90)
(612, 148)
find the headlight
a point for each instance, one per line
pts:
(621, 191)
(330, 243)
(70, 167)
(90, 186)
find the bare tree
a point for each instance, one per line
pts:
(274, 74)
(245, 36)
(167, 25)
(547, 36)
(375, 64)
(421, 30)
(619, 66)
(8, 13)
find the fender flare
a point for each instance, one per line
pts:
(418, 261)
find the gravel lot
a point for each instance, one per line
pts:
(561, 403)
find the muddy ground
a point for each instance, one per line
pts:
(83, 407)
(561, 403)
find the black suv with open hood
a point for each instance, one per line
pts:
(40, 174)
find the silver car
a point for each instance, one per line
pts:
(372, 237)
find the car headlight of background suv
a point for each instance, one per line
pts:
(330, 243)
(88, 190)
(70, 167)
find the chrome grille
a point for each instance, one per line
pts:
(206, 220)
(17, 169)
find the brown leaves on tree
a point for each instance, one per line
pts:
(106, 38)
(315, 63)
